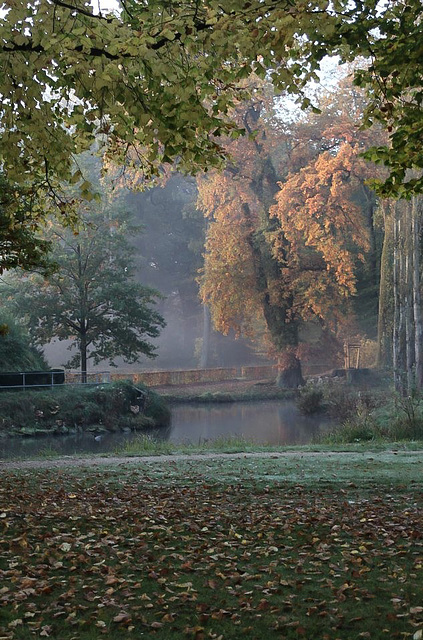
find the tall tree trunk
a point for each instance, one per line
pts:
(417, 305)
(82, 315)
(396, 284)
(282, 328)
(373, 261)
(289, 371)
(281, 323)
(205, 347)
(384, 326)
(407, 282)
(408, 313)
(84, 359)
(401, 324)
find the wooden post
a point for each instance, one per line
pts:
(352, 349)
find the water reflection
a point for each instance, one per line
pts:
(272, 422)
(63, 445)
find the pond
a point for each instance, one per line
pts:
(271, 422)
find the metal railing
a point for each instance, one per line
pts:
(31, 379)
(53, 377)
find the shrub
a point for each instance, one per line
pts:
(70, 408)
(309, 400)
(355, 430)
(408, 420)
(343, 402)
(400, 419)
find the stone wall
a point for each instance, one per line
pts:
(196, 376)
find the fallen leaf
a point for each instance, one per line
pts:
(122, 617)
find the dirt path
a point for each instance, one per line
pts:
(72, 461)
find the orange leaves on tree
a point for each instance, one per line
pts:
(289, 219)
(325, 228)
(228, 282)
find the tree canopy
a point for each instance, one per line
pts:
(20, 213)
(91, 298)
(289, 224)
(155, 81)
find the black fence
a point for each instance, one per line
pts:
(31, 379)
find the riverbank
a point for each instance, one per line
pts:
(225, 391)
(119, 406)
(73, 409)
(314, 545)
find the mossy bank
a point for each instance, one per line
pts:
(71, 409)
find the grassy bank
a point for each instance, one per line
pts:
(71, 409)
(145, 445)
(326, 546)
(364, 414)
(250, 393)
(237, 390)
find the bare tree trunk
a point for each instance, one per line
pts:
(396, 307)
(289, 370)
(384, 324)
(417, 306)
(410, 358)
(83, 351)
(397, 304)
(408, 313)
(205, 347)
(82, 309)
(402, 308)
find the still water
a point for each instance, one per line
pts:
(270, 422)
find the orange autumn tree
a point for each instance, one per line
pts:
(241, 281)
(322, 233)
(229, 270)
(283, 264)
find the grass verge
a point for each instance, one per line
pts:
(313, 546)
(144, 445)
(252, 394)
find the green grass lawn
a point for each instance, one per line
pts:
(322, 547)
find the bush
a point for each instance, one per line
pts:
(83, 415)
(357, 430)
(217, 397)
(310, 400)
(343, 402)
(398, 419)
(408, 420)
(71, 408)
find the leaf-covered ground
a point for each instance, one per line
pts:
(319, 547)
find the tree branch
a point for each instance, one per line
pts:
(84, 12)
